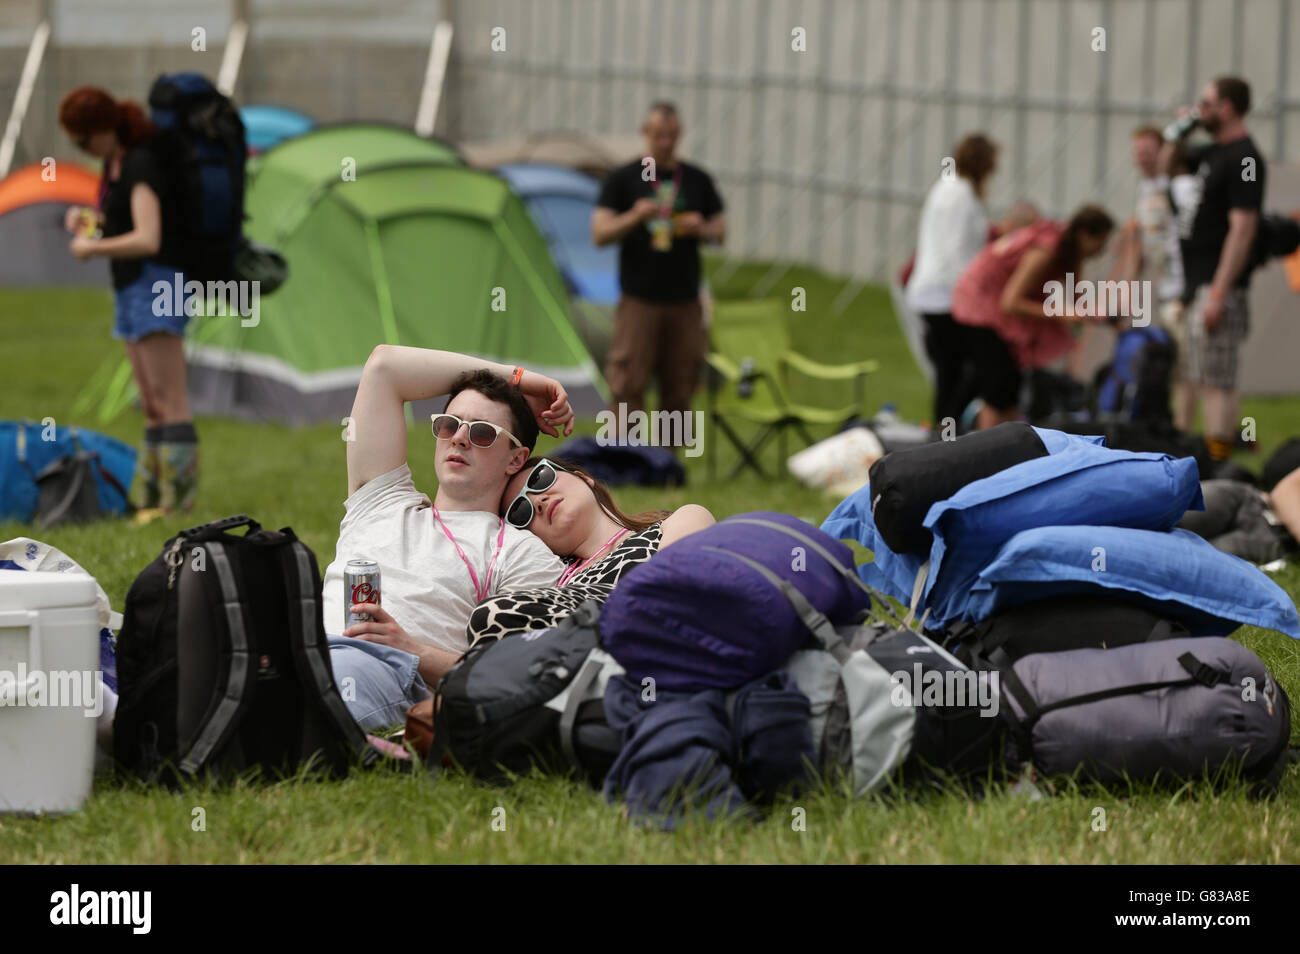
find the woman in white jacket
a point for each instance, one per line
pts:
(953, 228)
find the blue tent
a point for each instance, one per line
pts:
(267, 125)
(560, 202)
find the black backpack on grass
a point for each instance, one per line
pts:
(223, 665)
(535, 699)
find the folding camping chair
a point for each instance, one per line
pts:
(751, 359)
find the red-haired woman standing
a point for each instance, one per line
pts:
(142, 239)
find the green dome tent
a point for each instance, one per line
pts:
(415, 249)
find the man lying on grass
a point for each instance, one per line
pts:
(438, 559)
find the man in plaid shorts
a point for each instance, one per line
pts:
(1217, 227)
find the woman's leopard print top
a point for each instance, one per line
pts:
(544, 606)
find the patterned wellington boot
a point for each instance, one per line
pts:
(179, 475)
(149, 508)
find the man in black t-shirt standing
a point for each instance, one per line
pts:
(659, 209)
(1216, 231)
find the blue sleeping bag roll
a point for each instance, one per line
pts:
(1078, 482)
(1174, 573)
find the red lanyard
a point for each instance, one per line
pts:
(481, 592)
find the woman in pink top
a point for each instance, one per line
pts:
(998, 301)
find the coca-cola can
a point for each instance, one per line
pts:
(360, 585)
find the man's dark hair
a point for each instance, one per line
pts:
(496, 388)
(1236, 91)
(668, 108)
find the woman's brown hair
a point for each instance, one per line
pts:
(89, 109)
(975, 157)
(635, 522)
(1089, 219)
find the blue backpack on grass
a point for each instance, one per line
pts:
(25, 456)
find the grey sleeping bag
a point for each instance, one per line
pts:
(1176, 708)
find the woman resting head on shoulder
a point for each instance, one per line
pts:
(576, 517)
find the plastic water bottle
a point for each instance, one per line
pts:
(1180, 127)
(745, 387)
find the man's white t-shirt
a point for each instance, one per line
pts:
(425, 584)
(1162, 262)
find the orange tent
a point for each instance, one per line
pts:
(72, 184)
(31, 226)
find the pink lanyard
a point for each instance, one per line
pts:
(573, 571)
(481, 592)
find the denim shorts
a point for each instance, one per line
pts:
(137, 306)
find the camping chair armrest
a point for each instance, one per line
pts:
(828, 372)
(720, 363)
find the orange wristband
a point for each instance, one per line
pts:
(517, 376)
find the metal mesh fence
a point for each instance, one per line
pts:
(824, 121)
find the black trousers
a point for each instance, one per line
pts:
(954, 377)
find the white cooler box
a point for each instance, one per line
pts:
(49, 690)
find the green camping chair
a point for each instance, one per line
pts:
(751, 360)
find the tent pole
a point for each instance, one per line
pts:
(563, 325)
(233, 56)
(383, 293)
(434, 76)
(23, 97)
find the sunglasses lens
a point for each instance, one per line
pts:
(482, 434)
(445, 427)
(520, 513)
(541, 478)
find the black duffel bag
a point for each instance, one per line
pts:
(1058, 624)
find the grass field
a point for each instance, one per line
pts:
(54, 340)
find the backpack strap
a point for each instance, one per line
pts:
(310, 652)
(113, 482)
(812, 618)
(591, 668)
(57, 512)
(20, 435)
(850, 576)
(239, 683)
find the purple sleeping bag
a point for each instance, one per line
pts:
(700, 615)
